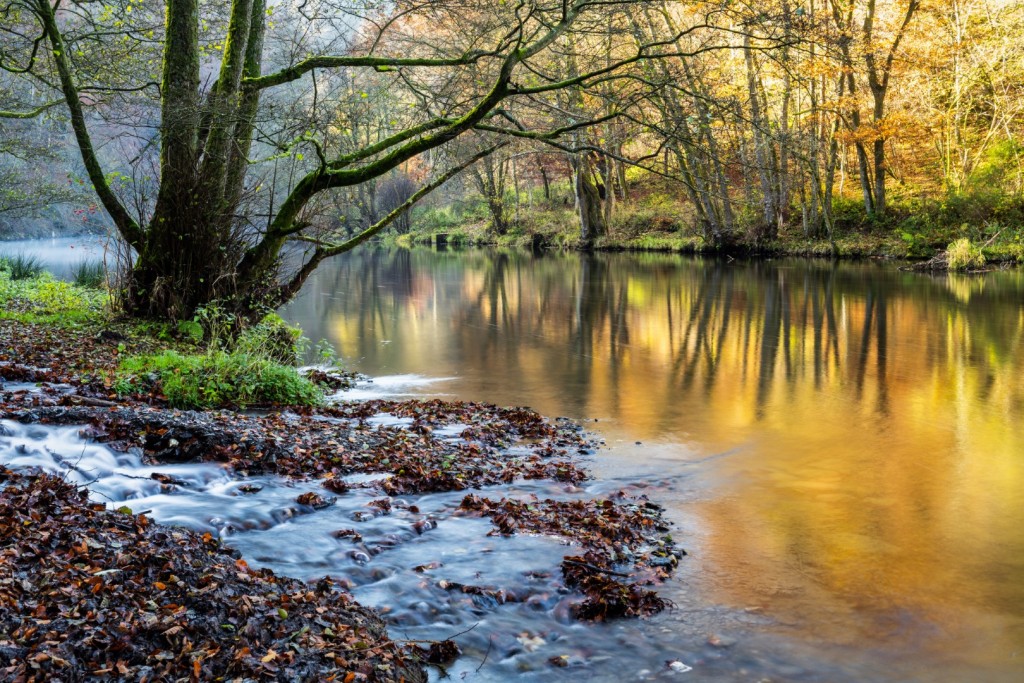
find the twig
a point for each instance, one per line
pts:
(490, 644)
(451, 637)
(595, 568)
(992, 238)
(97, 402)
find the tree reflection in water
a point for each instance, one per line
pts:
(876, 472)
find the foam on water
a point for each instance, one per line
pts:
(391, 386)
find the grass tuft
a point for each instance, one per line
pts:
(90, 274)
(21, 266)
(963, 255)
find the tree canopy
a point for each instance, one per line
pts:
(237, 146)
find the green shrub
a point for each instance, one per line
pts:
(216, 380)
(272, 338)
(848, 212)
(219, 325)
(187, 329)
(918, 245)
(963, 255)
(21, 266)
(458, 238)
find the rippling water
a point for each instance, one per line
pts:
(408, 557)
(840, 445)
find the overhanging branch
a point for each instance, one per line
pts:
(296, 72)
(325, 250)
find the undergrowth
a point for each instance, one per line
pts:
(43, 298)
(89, 274)
(253, 367)
(21, 266)
(963, 255)
(217, 379)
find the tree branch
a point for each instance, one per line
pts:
(126, 225)
(296, 72)
(29, 114)
(327, 250)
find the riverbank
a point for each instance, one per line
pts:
(64, 361)
(659, 227)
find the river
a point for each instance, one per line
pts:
(839, 445)
(62, 255)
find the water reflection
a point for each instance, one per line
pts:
(873, 487)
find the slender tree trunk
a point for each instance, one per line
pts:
(762, 154)
(879, 154)
(862, 155)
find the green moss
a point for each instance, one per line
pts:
(216, 380)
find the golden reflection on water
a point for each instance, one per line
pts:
(877, 467)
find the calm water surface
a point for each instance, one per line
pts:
(840, 446)
(62, 255)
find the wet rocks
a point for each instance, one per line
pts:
(315, 500)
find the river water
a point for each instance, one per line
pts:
(840, 446)
(62, 255)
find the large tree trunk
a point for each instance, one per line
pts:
(194, 249)
(189, 255)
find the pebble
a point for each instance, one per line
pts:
(530, 643)
(721, 641)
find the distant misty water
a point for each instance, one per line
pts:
(61, 255)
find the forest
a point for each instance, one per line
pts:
(252, 130)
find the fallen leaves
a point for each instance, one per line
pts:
(613, 533)
(110, 593)
(84, 589)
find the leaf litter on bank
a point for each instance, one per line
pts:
(332, 443)
(90, 593)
